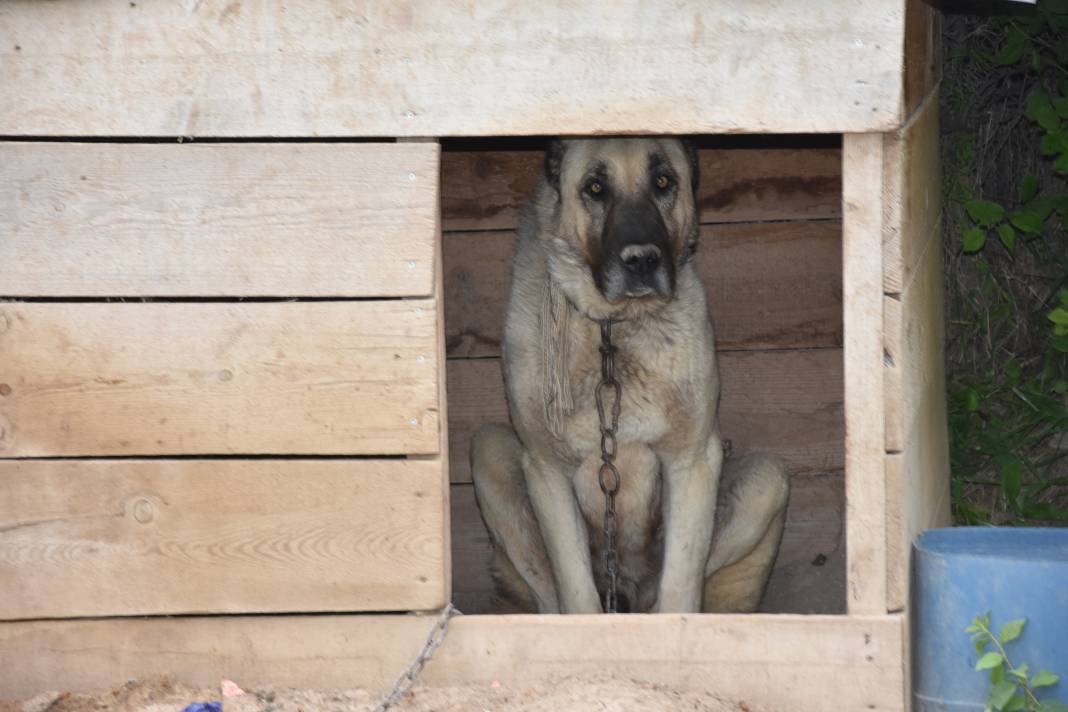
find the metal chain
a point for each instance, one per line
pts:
(411, 673)
(608, 476)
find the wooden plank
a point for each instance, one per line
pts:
(912, 195)
(440, 363)
(88, 219)
(815, 530)
(484, 190)
(770, 286)
(207, 378)
(918, 484)
(782, 662)
(786, 402)
(498, 68)
(862, 223)
(127, 537)
(923, 51)
(893, 361)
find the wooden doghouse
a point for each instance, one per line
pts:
(238, 374)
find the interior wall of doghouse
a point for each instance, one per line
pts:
(770, 258)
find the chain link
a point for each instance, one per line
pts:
(608, 476)
(411, 673)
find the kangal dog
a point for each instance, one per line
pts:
(611, 235)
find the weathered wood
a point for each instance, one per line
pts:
(862, 263)
(483, 190)
(923, 51)
(429, 68)
(87, 219)
(786, 402)
(814, 530)
(912, 195)
(918, 483)
(770, 286)
(783, 662)
(207, 378)
(127, 537)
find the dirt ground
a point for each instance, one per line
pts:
(606, 694)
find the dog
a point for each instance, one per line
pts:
(610, 234)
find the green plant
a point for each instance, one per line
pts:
(1006, 158)
(1013, 686)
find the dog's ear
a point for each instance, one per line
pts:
(554, 158)
(689, 146)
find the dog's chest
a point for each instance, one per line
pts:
(653, 387)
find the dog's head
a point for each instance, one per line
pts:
(625, 210)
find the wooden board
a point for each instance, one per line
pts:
(912, 195)
(206, 378)
(786, 402)
(923, 51)
(918, 481)
(779, 662)
(88, 219)
(484, 189)
(770, 286)
(815, 529)
(862, 262)
(427, 68)
(128, 537)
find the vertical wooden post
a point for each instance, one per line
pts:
(862, 287)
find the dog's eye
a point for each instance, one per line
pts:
(663, 182)
(595, 187)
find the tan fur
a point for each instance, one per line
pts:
(538, 493)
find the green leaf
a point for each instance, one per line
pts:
(988, 661)
(1044, 678)
(974, 239)
(1011, 480)
(1063, 297)
(1061, 164)
(1058, 316)
(1053, 143)
(1028, 221)
(1061, 107)
(1028, 189)
(1007, 236)
(1060, 386)
(984, 212)
(1013, 370)
(1011, 630)
(971, 400)
(997, 674)
(1015, 45)
(1040, 110)
(1001, 694)
(1060, 343)
(1021, 673)
(1017, 703)
(1052, 706)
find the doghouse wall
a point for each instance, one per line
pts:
(770, 258)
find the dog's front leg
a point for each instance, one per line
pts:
(564, 532)
(691, 480)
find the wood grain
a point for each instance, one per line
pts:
(918, 484)
(862, 263)
(89, 219)
(786, 402)
(923, 51)
(131, 537)
(770, 286)
(207, 378)
(912, 195)
(499, 68)
(778, 662)
(484, 189)
(815, 528)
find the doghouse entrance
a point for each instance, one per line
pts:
(771, 261)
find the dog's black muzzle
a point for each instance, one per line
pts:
(636, 255)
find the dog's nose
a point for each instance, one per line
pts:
(640, 260)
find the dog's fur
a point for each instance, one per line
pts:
(689, 539)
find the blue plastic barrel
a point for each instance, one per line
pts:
(967, 571)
